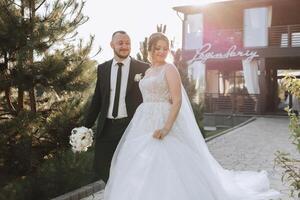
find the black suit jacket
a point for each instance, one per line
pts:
(100, 102)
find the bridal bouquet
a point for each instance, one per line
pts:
(81, 138)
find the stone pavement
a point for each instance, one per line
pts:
(251, 147)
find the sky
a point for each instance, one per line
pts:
(137, 17)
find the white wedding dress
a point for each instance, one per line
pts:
(179, 167)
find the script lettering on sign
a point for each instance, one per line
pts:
(204, 54)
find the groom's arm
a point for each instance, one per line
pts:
(95, 105)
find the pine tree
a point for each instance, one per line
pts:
(45, 72)
(37, 51)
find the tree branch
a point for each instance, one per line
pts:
(12, 2)
(8, 100)
(40, 5)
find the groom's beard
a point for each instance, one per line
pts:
(120, 55)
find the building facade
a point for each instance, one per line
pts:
(239, 50)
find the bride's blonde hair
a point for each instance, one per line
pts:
(152, 41)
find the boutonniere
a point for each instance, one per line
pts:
(138, 77)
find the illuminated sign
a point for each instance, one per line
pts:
(204, 54)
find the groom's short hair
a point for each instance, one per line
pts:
(116, 32)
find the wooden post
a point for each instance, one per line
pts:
(262, 79)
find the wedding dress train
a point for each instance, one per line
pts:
(179, 167)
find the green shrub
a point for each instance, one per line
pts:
(19, 189)
(56, 176)
(66, 172)
(291, 166)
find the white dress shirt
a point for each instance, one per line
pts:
(122, 112)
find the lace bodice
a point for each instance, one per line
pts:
(154, 86)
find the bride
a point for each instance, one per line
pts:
(162, 154)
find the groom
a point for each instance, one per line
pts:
(115, 100)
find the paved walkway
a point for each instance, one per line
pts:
(251, 147)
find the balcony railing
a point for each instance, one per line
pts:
(279, 36)
(232, 103)
(284, 36)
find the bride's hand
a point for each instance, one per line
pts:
(160, 133)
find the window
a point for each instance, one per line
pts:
(256, 23)
(193, 31)
(232, 82)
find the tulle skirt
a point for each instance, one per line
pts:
(179, 167)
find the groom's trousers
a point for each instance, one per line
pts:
(106, 145)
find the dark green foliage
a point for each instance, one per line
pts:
(37, 48)
(66, 172)
(56, 176)
(17, 143)
(46, 76)
(31, 136)
(18, 189)
(25, 155)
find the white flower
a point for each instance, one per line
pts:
(138, 77)
(81, 138)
